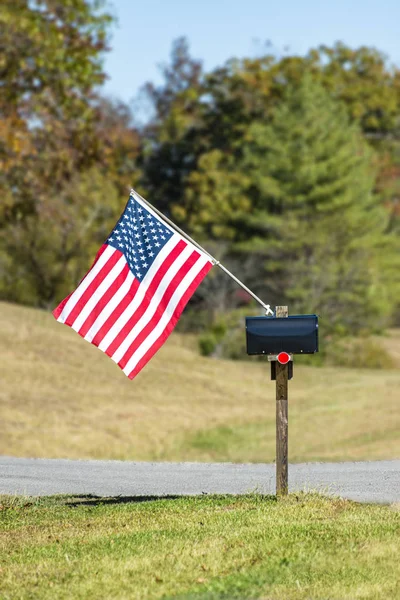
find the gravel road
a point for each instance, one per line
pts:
(363, 481)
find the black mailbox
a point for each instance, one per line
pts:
(297, 334)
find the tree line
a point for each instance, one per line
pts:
(287, 168)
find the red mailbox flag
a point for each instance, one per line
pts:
(131, 299)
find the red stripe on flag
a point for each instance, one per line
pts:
(104, 300)
(171, 324)
(92, 287)
(116, 313)
(185, 268)
(164, 267)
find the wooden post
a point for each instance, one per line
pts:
(281, 420)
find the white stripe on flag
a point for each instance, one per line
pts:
(78, 293)
(126, 315)
(155, 301)
(169, 311)
(110, 307)
(101, 290)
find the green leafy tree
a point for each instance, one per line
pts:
(172, 143)
(68, 156)
(203, 118)
(46, 254)
(50, 65)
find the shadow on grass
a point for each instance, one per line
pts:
(91, 500)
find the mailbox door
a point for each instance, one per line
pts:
(297, 334)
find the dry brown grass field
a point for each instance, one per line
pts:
(61, 397)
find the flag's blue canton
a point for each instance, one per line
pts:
(140, 236)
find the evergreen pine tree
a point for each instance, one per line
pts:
(315, 219)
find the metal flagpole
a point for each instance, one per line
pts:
(214, 260)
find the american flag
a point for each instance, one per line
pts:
(132, 297)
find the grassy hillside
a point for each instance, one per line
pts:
(61, 397)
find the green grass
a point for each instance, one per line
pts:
(61, 397)
(305, 546)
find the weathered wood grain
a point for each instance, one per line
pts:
(281, 420)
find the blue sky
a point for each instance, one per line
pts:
(220, 29)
